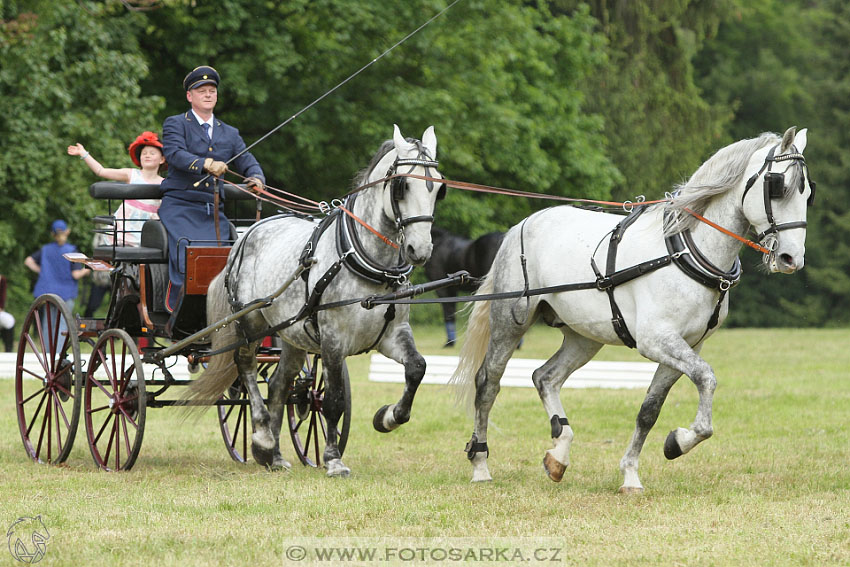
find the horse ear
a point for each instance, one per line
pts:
(787, 139)
(800, 140)
(400, 143)
(429, 140)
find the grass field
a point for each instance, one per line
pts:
(772, 487)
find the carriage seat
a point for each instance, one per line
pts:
(153, 249)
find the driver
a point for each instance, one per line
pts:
(197, 144)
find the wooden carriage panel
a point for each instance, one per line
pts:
(203, 263)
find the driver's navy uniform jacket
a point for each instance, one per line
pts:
(187, 211)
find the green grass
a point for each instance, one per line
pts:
(772, 487)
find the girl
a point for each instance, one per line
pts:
(146, 152)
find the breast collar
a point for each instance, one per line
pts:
(689, 259)
(356, 259)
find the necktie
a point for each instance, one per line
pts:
(207, 130)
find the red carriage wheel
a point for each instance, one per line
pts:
(115, 401)
(234, 416)
(48, 380)
(307, 426)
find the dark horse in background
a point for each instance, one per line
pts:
(452, 253)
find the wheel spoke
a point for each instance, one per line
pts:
(61, 409)
(239, 418)
(117, 436)
(126, 436)
(127, 415)
(103, 428)
(314, 431)
(111, 438)
(37, 392)
(56, 406)
(113, 376)
(66, 391)
(37, 410)
(42, 360)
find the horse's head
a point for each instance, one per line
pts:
(409, 201)
(776, 198)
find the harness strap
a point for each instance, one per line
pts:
(617, 320)
(524, 263)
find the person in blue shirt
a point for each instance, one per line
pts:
(197, 146)
(56, 274)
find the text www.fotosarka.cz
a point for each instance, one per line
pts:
(425, 551)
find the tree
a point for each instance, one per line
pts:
(658, 125)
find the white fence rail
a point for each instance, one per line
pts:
(594, 374)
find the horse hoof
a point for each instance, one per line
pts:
(264, 457)
(336, 469)
(378, 420)
(553, 468)
(630, 490)
(671, 446)
(280, 464)
(482, 477)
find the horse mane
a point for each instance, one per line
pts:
(720, 173)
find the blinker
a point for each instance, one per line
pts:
(774, 184)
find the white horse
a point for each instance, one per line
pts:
(666, 313)
(346, 261)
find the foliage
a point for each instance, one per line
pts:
(67, 75)
(658, 127)
(597, 99)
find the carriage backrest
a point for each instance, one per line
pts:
(111, 190)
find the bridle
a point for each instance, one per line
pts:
(774, 188)
(398, 186)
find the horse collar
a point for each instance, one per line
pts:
(685, 254)
(355, 258)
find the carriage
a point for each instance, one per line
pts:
(281, 340)
(109, 371)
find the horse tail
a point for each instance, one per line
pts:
(221, 370)
(474, 345)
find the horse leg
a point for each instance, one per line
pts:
(675, 357)
(280, 384)
(333, 406)
(503, 341)
(263, 444)
(662, 381)
(400, 346)
(575, 351)
(449, 317)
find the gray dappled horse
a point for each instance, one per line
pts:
(401, 210)
(666, 313)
